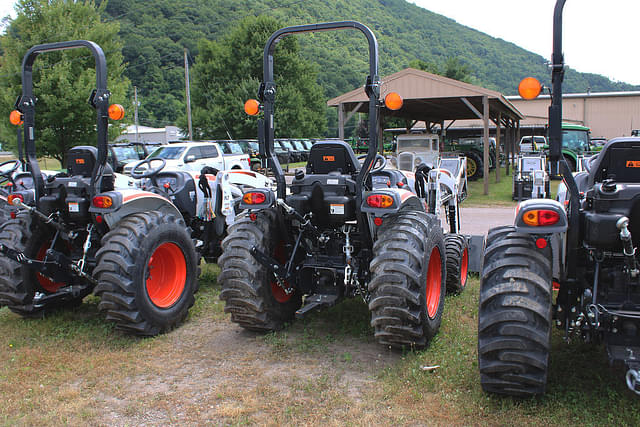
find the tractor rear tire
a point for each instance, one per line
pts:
(147, 272)
(515, 314)
(457, 248)
(475, 166)
(19, 284)
(408, 280)
(251, 293)
(15, 234)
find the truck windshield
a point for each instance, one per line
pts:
(126, 154)
(409, 144)
(575, 140)
(169, 153)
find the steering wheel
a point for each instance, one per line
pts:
(379, 158)
(137, 174)
(16, 164)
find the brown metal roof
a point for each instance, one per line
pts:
(431, 97)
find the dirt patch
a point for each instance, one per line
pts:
(215, 371)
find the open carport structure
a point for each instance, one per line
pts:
(442, 101)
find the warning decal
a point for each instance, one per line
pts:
(633, 163)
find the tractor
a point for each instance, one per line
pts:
(571, 264)
(341, 229)
(76, 233)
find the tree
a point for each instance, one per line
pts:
(229, 71)
(452, 69)
(62, 81)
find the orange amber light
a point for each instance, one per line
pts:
(393, 101)
(252, 107)
(116, 112)
(16, 118)
(529, 88)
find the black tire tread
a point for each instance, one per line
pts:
(455, 245)
(245, 283)
(396, 305)
(116, 263)
(514, 316)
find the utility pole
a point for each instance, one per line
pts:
(186, 78)
(135, 104)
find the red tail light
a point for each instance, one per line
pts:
(102, 202)
(379, 201)
(542, 217)
(254, 198)
(12, 197)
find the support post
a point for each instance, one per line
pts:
(498, 132)
(188, 93)
(341, 122)
(485, 142)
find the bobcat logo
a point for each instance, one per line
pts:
(333, 159)
(633, 163)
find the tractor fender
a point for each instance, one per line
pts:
(541, 216)
(127, 202)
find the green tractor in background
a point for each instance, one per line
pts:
(473, 149)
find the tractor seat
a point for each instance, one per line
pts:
(81, 160)
(619, 161)
(332, 156)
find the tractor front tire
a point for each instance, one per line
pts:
(514, 315)
(408, 280)
(251, 293)
(457, 248)
(147, 272)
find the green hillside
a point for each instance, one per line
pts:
(155, 34)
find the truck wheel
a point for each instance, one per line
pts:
(251, 293)
(408, 280)
(475, 168)
(457, 249)
(514, 316)
(18, 284)
(147, 272)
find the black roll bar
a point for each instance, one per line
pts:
(268, 92)
(27, 105)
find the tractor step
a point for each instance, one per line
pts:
(314, 302)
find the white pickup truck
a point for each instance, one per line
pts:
(193, 156)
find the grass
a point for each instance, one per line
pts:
(499, 192)
(45, 163)
(72, 367)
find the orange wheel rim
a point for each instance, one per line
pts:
(46, 283)
(464, 267)
(167, 275)
(276, 290)
(434, 282)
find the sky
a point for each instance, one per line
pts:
(598, 37)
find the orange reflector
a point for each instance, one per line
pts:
(254, 198)
(541, 217)
(379, 201)
(116, 112)
(529, 88)
(393, 101)
(12, 197)
(252, 107)
(16, 118)
(102, 202)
